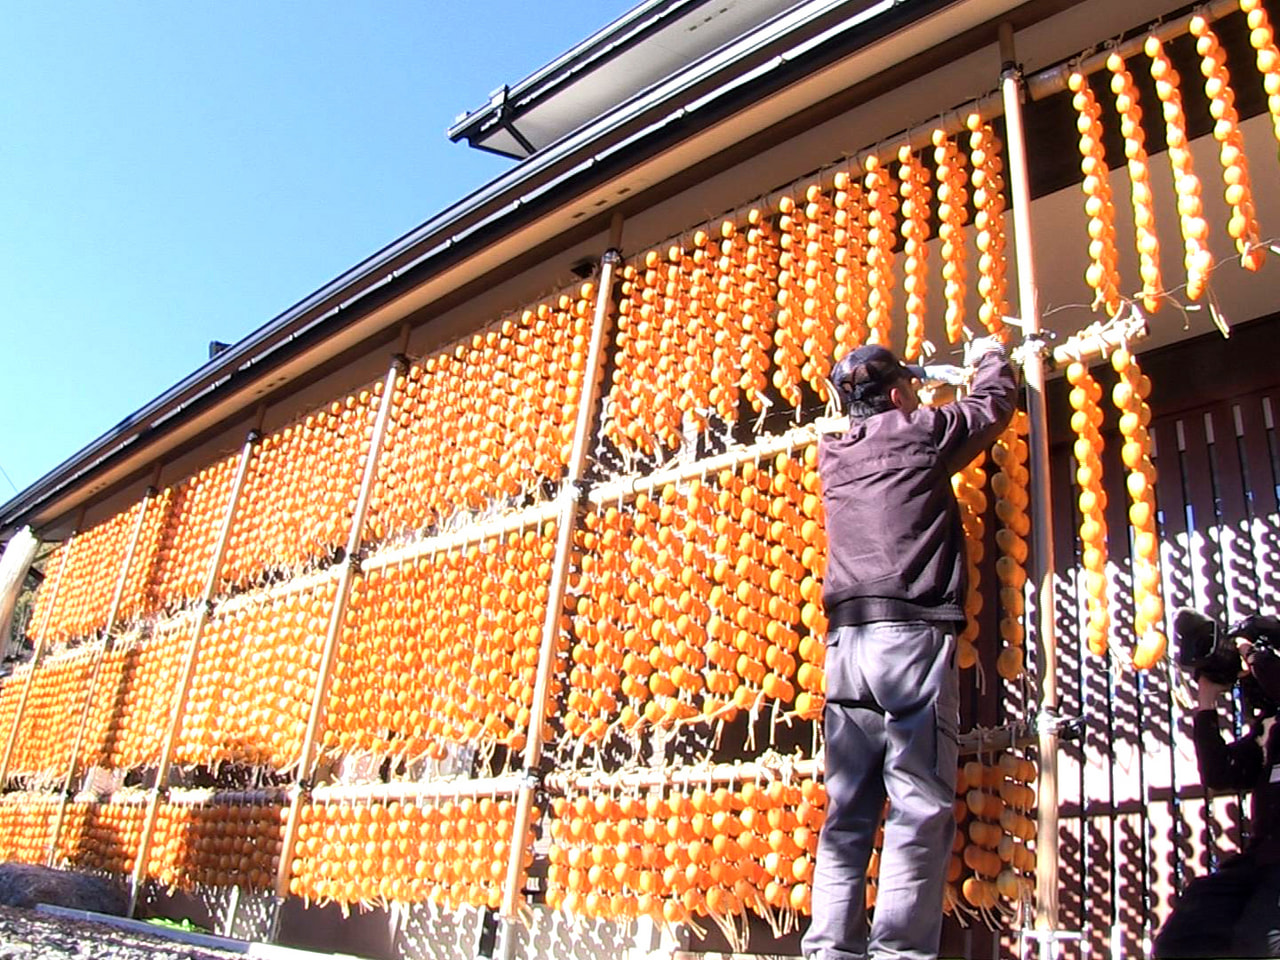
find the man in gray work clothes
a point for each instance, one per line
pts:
(894, 597)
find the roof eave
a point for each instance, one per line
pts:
(738, 75)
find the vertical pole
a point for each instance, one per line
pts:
(38, 653)
(328, 655)
(107, 644)
(566, 520)
(203, 613)
(1041, 504)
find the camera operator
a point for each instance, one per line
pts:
(1235, 911)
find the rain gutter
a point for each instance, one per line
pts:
(740, 73)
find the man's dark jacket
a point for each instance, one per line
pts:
(895, 544)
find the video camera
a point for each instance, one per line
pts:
(1209, 651)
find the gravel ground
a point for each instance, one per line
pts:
(25, 933)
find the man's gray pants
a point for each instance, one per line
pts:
(891, 720)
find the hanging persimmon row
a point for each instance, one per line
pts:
(487, 421)
(1242, 225)
(745, 316)
(676, 855)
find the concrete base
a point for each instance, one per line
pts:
(257, 949)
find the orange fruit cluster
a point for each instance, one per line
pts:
(675, 855)
(882, 206)
(987, 179)
(255, 679)
(194, 512)
(1010, 487)
(1130, 397)
(26, 826)
(300, 492)
(689, 292)
(849, 235)
(488, 420)
(1195, 230)
(694, 332)
(136, 597)
(722, 265)
(101, 837)
(953, 213)
(1263, 40)
(913, 181)
(1135, 150)
(10, 695)
(1086, 423)
(1102, 274)
(452, 852)
(745, 283)
(217, 844)
(693, 601)
(48, 726)
(168, 570)
(443, 649)
(1243, 224)
(86, 584)
(659, 374)
(996, 812)
(806, 321)
(969, 485)
(134, 698)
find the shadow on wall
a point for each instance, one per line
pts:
(555, 935)
(430, 932)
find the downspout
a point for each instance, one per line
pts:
(571, 498)
(1046, 916)
(328, 656)
(203, 613)
(38, 654)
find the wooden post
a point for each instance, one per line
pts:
(1046, 918)
(38, 653)
(203, 612)
(570, 498)
(328, 655)
(107, 645)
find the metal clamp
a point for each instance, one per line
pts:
(1035, 344)
(1064, 728)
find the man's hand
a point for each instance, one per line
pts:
(1208, 693)
(979, 347)
(1246, 650)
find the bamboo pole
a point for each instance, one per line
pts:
(769, 446)
(38, 654)
(1053, 79)
(106, 648)
(779, 768)
(570, 500)
(1041, 504)
(783, 768)
(418, 789)
(203, 613)
(337, 616)
(1099, 340)
(193, 796)
(276, 591)
(442, 543)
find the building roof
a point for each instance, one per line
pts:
(644, 46)
(552, 193)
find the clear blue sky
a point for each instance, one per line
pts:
(178, 172)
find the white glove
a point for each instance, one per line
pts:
(979, 347)
(945, 373)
